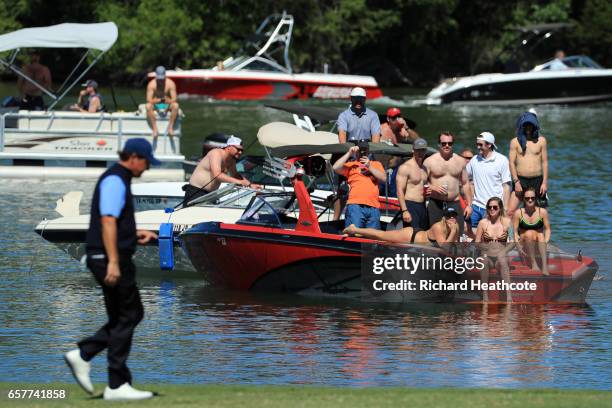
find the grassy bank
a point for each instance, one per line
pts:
(284, 396)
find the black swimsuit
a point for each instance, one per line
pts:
(526, 225)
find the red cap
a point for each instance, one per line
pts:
(391, 112)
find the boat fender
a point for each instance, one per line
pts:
(166, 246)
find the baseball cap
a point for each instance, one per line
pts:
(160, 72)
(391, 112)
(233, 141)
(141, 147)
(357, 91)
(449, 211)
(92, 83)
(487, 137)
(419, 144)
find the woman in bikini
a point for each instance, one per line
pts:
(443, 231)
(533, 229)
(492, 236)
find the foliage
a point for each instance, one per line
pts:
(396, 40)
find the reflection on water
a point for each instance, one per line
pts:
(195, 334)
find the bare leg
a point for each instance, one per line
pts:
(174, 108)
(152, 120)
(529, 238)
(399, 236)
(504, 270)
(543, 253)
(484, 278)
(513, 204)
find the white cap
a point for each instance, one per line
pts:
(357, 91)
(233, 141)
(487, 137)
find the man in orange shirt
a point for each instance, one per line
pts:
(363, 176)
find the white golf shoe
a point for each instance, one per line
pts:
(80, 369)
(126, 393)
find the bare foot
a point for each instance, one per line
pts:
(545, 270)
(350, 230)
(535, 267)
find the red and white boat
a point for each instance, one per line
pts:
(269, 251)
(258, 72)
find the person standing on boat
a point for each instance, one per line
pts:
(90, 101)
(363, 176)
(111, 242)
(411, 177)
(528, 161)
(447, 173)
(355, 124)
(31, 95)
(161, 99)
(218, 166)
(396, 129)
(490, 174)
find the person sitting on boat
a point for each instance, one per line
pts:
(31, 95)
(161, 99)
(396, 129)
(363, 175)
(411, 177)
(90, 101)
(533, 229)
(557, 63)
(528, 161)
(218, 166)
(492, 234)
(444, 231)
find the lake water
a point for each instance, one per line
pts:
(195, 334)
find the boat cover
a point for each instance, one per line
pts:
(277, 134)
(98, 36)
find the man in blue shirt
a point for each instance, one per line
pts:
(358, 122)
(111, 242)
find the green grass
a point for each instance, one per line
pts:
(174, 396)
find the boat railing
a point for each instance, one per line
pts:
(118, 124)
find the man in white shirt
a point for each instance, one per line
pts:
(490, 173)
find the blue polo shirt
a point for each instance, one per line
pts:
(361, 127)
(112, 196)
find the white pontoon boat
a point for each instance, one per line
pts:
(65, 144)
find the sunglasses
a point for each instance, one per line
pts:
(467, 157)
(446, 143)
(479, 144)
(394, 117)
(529, 198)
(492, 207)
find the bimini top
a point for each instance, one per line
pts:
(98, 36)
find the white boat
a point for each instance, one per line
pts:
(75, 145)
(573, 79)
(263, 71)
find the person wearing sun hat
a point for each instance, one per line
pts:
(110, 243)
(490, 173)
(218, 166)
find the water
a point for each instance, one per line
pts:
(195, 334)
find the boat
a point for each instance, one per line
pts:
(263, 71)
(582, 80)
(269, 250)
(227, 203)
(66, 144)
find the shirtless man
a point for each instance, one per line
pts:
(31, 95)
(218, 166)
(447, 173)
(411, 177)
(161, 97)
(528, 161)
(396, 130)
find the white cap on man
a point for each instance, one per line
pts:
(487, 137)
(357, 91)
(233, 141)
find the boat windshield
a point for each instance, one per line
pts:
(268, 209)
(574, 61)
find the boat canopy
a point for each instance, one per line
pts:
(98, 36)
(278, 134)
